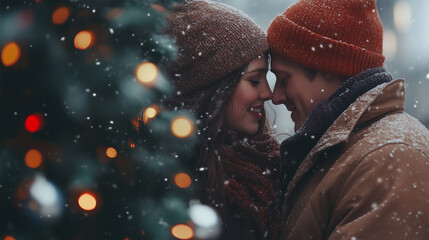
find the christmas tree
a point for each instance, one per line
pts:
(87, 151)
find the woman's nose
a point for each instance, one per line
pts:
(266, 93)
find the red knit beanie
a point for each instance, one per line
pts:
(342, 37)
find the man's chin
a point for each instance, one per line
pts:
(297, 126)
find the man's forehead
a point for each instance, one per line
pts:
(279, 58)
(280, 63)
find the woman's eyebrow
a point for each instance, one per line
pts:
(261, 70)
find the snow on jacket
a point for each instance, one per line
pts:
(366, 178)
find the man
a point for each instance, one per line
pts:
(358, 166)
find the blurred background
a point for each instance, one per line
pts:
(405, 46)
(86, 152)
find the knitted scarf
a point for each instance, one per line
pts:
(294, 149)
(251, 171)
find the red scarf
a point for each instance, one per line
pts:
(251, 171)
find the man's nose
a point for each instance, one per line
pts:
(278, 96)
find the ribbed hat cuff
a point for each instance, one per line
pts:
(315, 51)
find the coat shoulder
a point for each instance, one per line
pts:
(384, 167)
(393, 129)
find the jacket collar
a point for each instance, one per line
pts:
(381, 100)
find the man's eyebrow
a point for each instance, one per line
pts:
(275, 71)
(281, 73)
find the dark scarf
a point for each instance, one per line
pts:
(294, 149)
(251, 171)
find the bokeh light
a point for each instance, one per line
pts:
(26, 18)
(203, 215)
(114, 13)
(146, 73)
(33, 158)
(8, 238)
(136, 122)
(44, 192)
(87, 201)
(10, 54)
(182, 231)
(149, 113)
(131, 143)
(111, 152)
(206, 221)
(157, 7)
(182, 180)
(83, 40)
(43, 199)
(34, 122)
(402, 15)
(60, 15)
(390, 45)
(182, 127)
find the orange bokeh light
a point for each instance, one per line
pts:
(111, 152)
(182, 180)
(34, 122)
(149, 113)
(83, 40)
(87, 202)
(182, 231)
(182, 127)
(146, 73)
(131, 143)
(60, 15)
(10, 54)
(158, 7)
(33, 158)
(114, 13)
(8, 238)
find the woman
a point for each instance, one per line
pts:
(220, 75)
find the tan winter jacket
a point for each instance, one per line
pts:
(374, 185)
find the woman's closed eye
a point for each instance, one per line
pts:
(254, 82)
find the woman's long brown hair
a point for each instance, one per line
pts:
(208, 105)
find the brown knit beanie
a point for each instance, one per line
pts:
(213, 40)
(342, 37)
